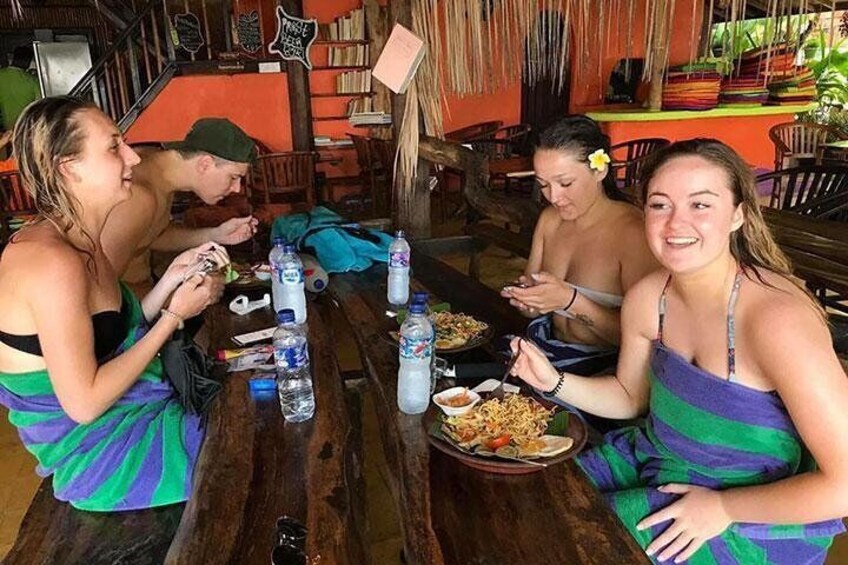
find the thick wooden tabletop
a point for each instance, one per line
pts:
(451, 513)
(255, 467)
(818, 248)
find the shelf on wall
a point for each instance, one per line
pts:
(342, 95)
(340, 42)
(353, 68)
(330, 118)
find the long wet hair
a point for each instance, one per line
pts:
(47, 132)
(752, 245)
(581, 136)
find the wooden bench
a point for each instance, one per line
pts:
(253, 468)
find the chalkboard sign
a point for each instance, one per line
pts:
(294, 38)
(248, 32)
(187, 29)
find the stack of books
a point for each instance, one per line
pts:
(345, 28)
(370, 119)
(359, 106)
(351, 56)
(326, 141)
(354, 82)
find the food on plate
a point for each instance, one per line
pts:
(456, 330)
(461, 399)
(513, 427)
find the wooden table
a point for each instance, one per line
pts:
(818, 248)
(252, 469)
(451, 513)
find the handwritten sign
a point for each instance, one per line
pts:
(187, 29)
(294, 37)
(248, 32)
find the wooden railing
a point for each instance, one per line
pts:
(134, 69)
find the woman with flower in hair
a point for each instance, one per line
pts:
(743, 455)
(588, 248)
(79, 370)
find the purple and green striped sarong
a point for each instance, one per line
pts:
(140, 453)
(714, 433)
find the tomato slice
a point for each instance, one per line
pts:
(499, 442)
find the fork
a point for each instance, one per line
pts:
(498, 391)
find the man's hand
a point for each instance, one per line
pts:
(235, 231)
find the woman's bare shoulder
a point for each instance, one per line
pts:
(37, 253)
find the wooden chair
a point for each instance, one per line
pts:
(629, 157)
(794, 141)
(482, 130)
(285, 176)
(372, 175)
(18, 205)
(519, 138)
(820, 191)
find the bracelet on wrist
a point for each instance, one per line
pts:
(180, 320)
(571, 302)
(554, 391)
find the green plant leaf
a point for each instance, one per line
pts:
(558, 426)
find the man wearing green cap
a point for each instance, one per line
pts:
(211, 162)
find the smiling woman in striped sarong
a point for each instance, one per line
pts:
(79, 370)
(744, 454)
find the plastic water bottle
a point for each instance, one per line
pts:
(423, 297)
(398, 285)
(415, 354)
(287, 286)
(291, 357)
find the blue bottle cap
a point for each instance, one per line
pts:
(417, 308)
(318, 284)
(399, 234)
(279, 241)
(289, 248)
(420, 296)
(285, 316)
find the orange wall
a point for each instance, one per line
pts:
(588, 86)
(748, 135)
(258, 103)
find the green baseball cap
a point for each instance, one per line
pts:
(219, 137)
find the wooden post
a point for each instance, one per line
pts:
(659, 51)
(299, 100)
(414, 216)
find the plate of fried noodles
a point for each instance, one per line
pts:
(515, 435)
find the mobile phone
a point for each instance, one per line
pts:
(516, 284)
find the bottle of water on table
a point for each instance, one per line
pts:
(398, 283)
(287, 285)
(415, 355)
(424, 297)
(291, 357)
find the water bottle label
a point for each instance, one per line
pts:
(419, 348)
(291, 275)
(293, 357)
(399, 259)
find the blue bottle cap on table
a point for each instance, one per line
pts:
(417, 308)
(279, 241)
(285, 316)
(289, 248)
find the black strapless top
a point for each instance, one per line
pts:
(109, 333)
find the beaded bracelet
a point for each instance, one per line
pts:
(554, 391)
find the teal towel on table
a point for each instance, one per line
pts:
(338, 245)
